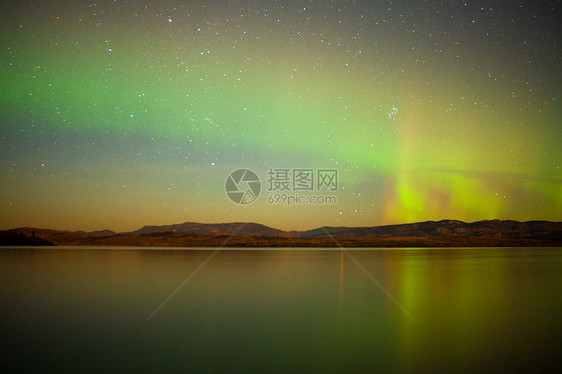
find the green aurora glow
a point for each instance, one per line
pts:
(98, 130)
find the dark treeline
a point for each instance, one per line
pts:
(19, 238)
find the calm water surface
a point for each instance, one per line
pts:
(70, 309)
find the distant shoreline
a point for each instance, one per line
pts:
(445, 233)
(208, 241)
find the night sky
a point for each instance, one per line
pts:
(118, 114)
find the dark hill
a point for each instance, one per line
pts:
(249, 229)
(99, 233)
(18, 238)
(446, 228)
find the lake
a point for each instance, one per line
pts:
(94, 309)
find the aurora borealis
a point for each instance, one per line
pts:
(118, 114)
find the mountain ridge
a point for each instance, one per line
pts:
(428, 233)
(229, 228)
